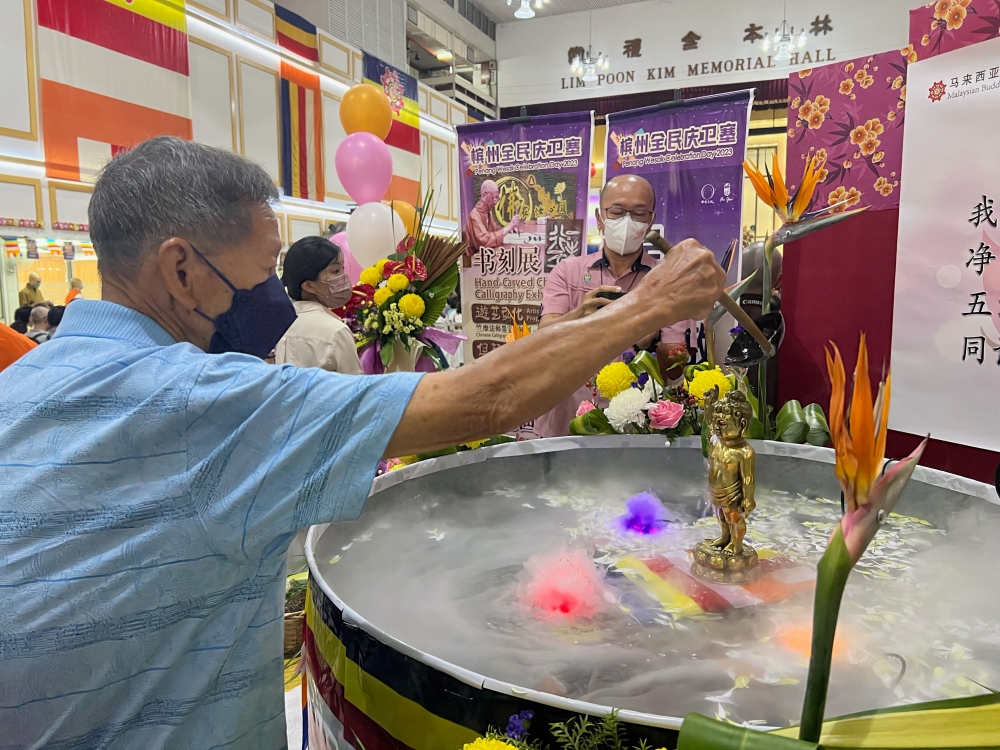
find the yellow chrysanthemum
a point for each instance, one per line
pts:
(371, 276)
(614, 379)
(381, 295)
(705, 380)
(484, 744)
(397, 282)
(412, 305)
(380, 267)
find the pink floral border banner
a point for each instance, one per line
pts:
(936, 28)
(851, 114)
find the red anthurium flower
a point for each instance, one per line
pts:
(405, 244)
(414, 268)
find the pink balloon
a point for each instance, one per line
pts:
(364, 166)
(351, 266)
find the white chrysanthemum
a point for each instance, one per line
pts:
(626, 408)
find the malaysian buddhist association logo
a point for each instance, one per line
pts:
(393, 89)
(936, 92)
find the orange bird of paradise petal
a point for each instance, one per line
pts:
(762, 186)
(774, 192)
(810, 179)
(780, 191)
(516, 332)
(860, 446)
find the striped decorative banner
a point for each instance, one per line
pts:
(404, 135)
(301, 134)
(296, 34)
(113, 73)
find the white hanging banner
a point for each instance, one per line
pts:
(946, 319)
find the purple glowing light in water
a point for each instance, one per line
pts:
(645, 515)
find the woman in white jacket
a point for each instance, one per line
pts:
(313, 275)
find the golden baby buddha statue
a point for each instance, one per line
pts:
(731, 462)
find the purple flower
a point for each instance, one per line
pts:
(734, 332)
(628, 356)
(645, 514)
(517, 725)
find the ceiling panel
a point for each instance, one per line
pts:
(503, 13)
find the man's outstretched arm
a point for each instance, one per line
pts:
(525, 378)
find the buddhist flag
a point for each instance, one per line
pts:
(296, 34)
(301, 134)
(404, 135)
(113, 73)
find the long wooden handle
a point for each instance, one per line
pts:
(732, 307)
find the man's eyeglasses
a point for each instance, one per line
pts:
(639, 214)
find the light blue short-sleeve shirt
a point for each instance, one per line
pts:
(148, 494)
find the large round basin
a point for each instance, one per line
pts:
(421, 633)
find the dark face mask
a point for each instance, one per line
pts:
(256, 320)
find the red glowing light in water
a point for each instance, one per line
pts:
(563, 583)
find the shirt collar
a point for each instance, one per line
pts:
(107, 320)
(643, 263)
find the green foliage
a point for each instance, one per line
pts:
(594, 422)
(819, 430)
(791, 423)
(644, 362)
(580, 733)
(386, 354)
(797, 425)
(436, 295)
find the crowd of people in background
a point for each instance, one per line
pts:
(35, 320)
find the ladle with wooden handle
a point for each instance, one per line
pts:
(731, 305)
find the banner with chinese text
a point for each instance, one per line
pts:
(945, 330)
(534, 168)
(692, 152)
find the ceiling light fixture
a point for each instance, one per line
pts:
(525, 10)
(585, 67)
(783, 41)
(445, 55)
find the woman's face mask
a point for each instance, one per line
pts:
(335, 292)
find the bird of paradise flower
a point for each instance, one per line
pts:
(796, 223)
(859, 441)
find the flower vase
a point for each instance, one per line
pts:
(402, 360)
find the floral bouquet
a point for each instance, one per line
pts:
(638, 402)
(395, 305)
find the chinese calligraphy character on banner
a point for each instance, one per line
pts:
(974, 348)
(633, 48)
(981, 256)
(573, 53)
(983, 212)
(563, 240)
(977, 306)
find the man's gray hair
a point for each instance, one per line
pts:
(168, 187)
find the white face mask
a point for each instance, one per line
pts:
(623, 236)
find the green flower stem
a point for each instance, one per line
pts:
(765, 294)
(831, 578)
(765, 412)
(765, 308)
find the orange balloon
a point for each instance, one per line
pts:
(408, 214)
(365, 108)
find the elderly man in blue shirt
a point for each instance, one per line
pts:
(153, 475)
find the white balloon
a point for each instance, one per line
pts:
(373, 231)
